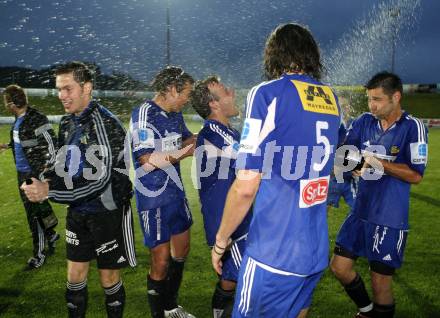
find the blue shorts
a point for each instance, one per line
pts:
(265, 292)
(232, 260)
(346, 189)
(159, 224)
(375, 242)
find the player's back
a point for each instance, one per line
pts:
(298, 121)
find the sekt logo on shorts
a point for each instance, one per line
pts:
(313, 191)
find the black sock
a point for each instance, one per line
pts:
(76, 298)
(357, 292)
(384, 311)
(115, 300)
(174, 278)
(222, 302)
(156, 294)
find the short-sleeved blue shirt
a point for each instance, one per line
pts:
(290, 135)
(217, 147)
(384, 200)
(153, 129)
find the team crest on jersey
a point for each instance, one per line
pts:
(313, 191)
(84, 139)
(419, 152)
(394, 150)
(316, 98)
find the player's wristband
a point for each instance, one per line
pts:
(218, 253)
(219, 247)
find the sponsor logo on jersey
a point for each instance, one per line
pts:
(172, 142)
(146, 137)
(419, 152)
(245, 132)
(316, 98)
(313, 191)
(249, 140)
(422, 150)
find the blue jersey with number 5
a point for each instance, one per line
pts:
(290, 136)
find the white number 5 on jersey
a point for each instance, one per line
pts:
(321, 139)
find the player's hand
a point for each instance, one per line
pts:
(37, 191)
(356, 173)
(3, 147)
(370, 161)
(217, 252)
(189, 145)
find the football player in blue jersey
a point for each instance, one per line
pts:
(160, 139)
(285, 159)
(347, 187)
(394, 147)
(216, 151)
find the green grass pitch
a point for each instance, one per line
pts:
(40, 293)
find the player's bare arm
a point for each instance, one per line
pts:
(238, 202)
(159, 159)
(398, 170)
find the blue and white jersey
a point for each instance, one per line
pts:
(153, 129)
(217, 173)
(290, 136)
(385, 199)
(21, 163)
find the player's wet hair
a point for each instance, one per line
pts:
(201, 96)
(291, 48)
(171, 76)
(81, 73)
(16, 95)
(389, 82)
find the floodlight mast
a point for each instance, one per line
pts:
(168, 56)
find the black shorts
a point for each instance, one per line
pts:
(106, 236)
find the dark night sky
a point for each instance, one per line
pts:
(225, 37)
